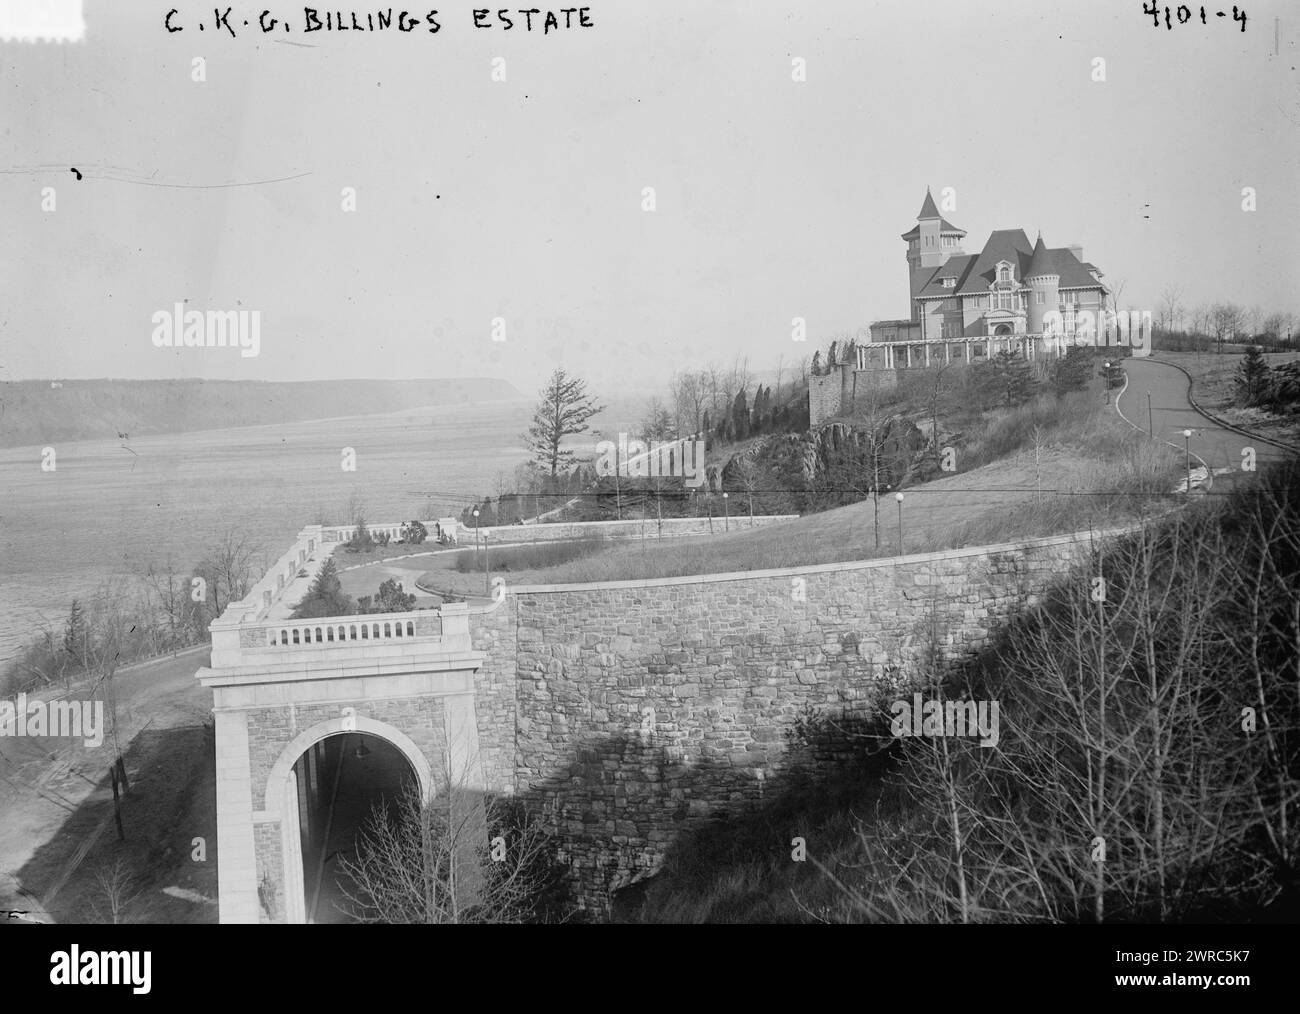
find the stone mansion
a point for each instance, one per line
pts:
(966, 307)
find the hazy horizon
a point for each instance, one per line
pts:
(522, 200)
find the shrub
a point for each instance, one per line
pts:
(1071, 371)
(325, 597)
(1252, 382)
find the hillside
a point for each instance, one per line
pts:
(34, 412)
(940, 830)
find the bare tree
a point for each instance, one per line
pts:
(1145, 764)
(658, 422)
(227, 570)
(173, 597)
(117, 889)
(427, 861)
(1225, 320)
(1171, 307)
(355, 508)
(712, 375)
(1277, 326)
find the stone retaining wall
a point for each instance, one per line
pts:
(641, 709)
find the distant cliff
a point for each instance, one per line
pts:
(36, 412)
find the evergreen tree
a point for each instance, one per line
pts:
(740, 415)
(1015, 383)
(391, 599)
(325, 597)
(830, 356)
(361, 541)
(1252, 380)
(562, 411)
(74, 631)
(760, 407)
(817, 363)
(1071, 372)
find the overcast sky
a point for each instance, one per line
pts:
(523, 200)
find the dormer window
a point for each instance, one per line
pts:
(1004, 273)
(949, 283)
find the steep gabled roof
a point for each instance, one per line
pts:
(928, 209)
(1003, 245)
(955, 267)
(1075, 274)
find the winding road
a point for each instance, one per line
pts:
(1172, 412)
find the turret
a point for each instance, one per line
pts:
(1043, 280)
(929, 244)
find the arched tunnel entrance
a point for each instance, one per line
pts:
(341, 779)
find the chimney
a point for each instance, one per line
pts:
(1077, 251)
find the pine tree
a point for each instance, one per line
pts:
(740, 415)
(1071, 372)
(817, 363)
(1252, 380)
(1014, 381)
(74, 631)
(325, 597)
(563, 410)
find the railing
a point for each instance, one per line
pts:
(350, 629)
(342, 533)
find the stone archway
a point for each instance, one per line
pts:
(1002, 329)
(282, 794)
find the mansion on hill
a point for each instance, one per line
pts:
(968, 307)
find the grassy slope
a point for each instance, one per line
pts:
(1090, 468)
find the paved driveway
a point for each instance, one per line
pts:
(1172, 412)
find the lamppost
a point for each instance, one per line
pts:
(476, 529)
(726, 524)
(1106, 364)
(1187, 449)
(487, 584)
(899, 498)
(1150, 422)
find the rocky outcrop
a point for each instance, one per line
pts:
(830, 451)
